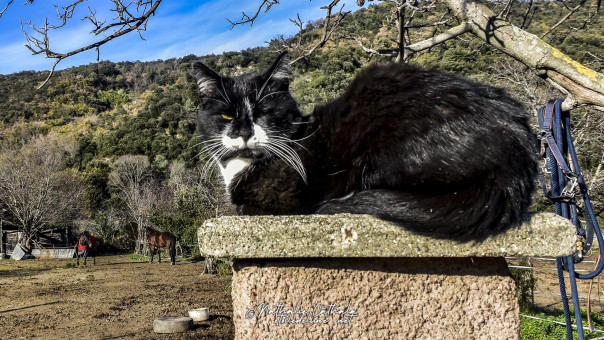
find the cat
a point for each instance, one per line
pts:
(435, 153)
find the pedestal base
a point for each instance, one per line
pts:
(374, 298)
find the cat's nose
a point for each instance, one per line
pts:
(246, 134)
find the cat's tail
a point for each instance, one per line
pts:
(472, 211)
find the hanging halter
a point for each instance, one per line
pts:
(565, 177)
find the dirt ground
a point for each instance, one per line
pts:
(119, 298)
(114, 299)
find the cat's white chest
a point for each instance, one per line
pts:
(232, 167)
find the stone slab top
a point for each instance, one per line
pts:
(348, 235)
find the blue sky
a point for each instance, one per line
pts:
(179, 28)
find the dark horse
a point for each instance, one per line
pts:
(86, 246)
(160, 239)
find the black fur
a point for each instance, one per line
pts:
(436, 153)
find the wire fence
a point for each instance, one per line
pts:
(546, 292)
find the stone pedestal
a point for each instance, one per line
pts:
(353, 276)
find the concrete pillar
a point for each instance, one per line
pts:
(354, 276)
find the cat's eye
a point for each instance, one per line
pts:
(227, 117)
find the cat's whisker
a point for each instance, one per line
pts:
(211, 148)
(288, 155)
(288, 140)
(265, 83)
(212, 140)
(204, 155)
(214, 159)
(212, 145)
(310, 135)
(269, 94)
(288, 149)
(274, 135)
(196, 145)
(224, 93)
(217, 100)
(208, 168)
(202, 158)
(207, 143)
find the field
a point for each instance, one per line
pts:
(119, 298)
(116, 299)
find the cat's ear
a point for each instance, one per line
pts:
(280, 71)
(207, 80)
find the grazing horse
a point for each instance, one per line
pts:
(160, 239)
(86, 246)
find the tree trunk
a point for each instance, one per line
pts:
(209, 267)
(400, 27)
(142, 244)
(581, 84)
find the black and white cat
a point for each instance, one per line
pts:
(433, 152)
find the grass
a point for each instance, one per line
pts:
(531, 329)
(223, 268)
(138, 258)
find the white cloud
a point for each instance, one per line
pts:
(16, 57)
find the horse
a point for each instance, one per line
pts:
(86, 246)
(160, 239)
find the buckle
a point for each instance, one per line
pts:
(571, 185)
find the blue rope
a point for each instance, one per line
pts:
(569, 322)
(556, 134)
(570, 261)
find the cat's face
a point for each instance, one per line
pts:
(251, 117)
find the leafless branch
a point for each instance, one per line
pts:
(525, 18)
(432, 24)
(131, 16)
(564, 18)
(505, 12)
(5, 8)
(66, 13)
(439, 39)
(245, 18)
(584, 86)
(389, 52)
(595, 56)
(327, 29)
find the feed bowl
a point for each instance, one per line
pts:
(199, 314)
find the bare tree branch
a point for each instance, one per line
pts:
(66, 14)
(5, 8)
(267, 4)
(571, 12)
(389, 52)
(327, 30)
(505, 12)
(583, 85)
(439, 39)
(36, 187)
(525, 18)
(410, 50)
(126, 21)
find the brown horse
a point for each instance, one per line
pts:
(86, 246)
(160, 239)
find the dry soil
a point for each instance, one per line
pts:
(114, 299)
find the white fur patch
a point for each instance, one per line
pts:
(233, 143)
(233, 167)
(281, 74)
(206, 85)
(248, 105)
(259, 138)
